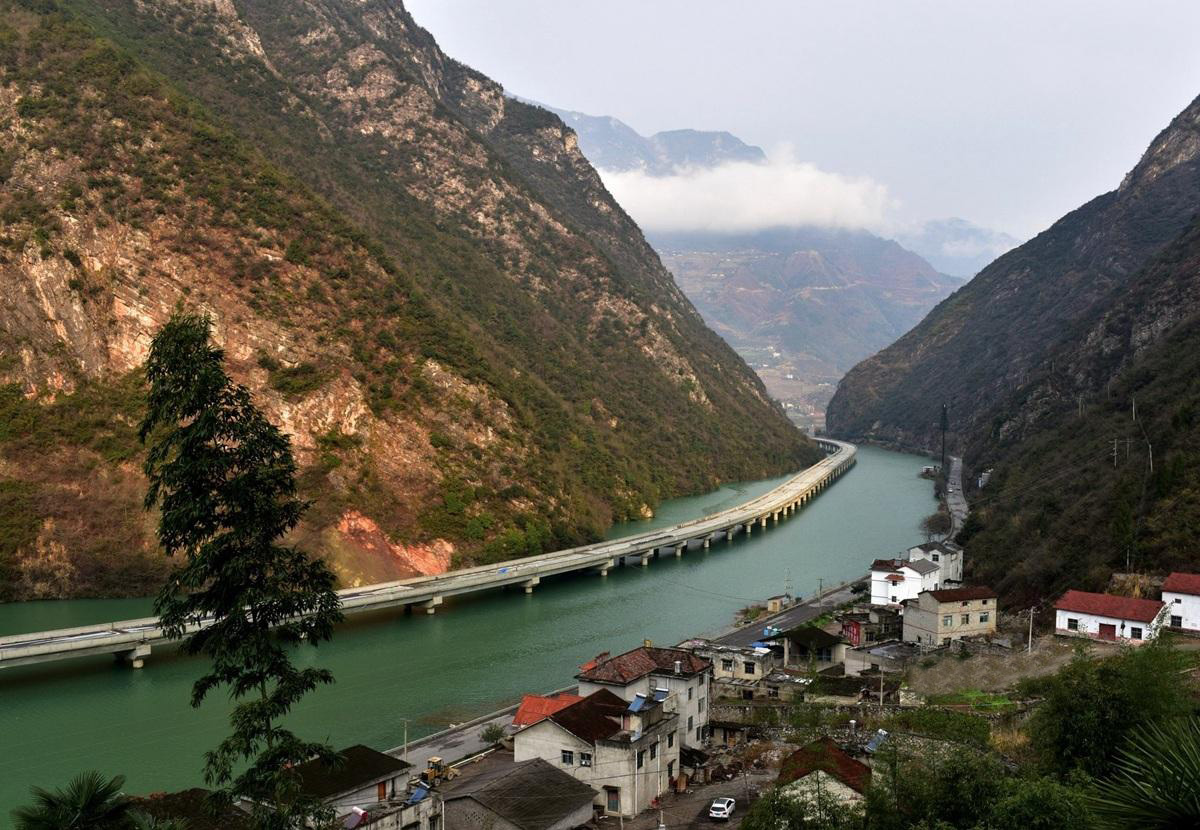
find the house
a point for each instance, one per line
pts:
(875, 624)
(810, 647)
(529, 795)
(194, 807)
(937, 617)
(1181, 593)
(823, 769)
(946, 555)
(1108, 617)
(535, 707)
(895, 580)
(628, 752)
(370, 789)
(888, 656)
(737, 671)
(645, 671)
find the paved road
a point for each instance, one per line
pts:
(955, 501)
(798, 614)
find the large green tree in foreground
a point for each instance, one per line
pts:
(224, 479)
(90, 801)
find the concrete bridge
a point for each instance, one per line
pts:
(132, 640)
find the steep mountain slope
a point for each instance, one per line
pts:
(611, 144)
(424, 282)
(820, 299)
(986, 342)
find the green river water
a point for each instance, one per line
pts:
(475, 655)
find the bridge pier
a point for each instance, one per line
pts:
(679, 550)
(605, 568)
(707, 542)
(135, 658)
(729, 535)
(531, 583)
(749, 528)
(646, 557)
(430, 605)
(763, 522)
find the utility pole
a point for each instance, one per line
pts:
(1029, 649)
(1114, 453)
(820, 591)
(404, 757)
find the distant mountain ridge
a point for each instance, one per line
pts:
(611, 144)
(956, 246)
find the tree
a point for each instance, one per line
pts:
(493, 733)
(1156, 783)
(1091, 705)
(144, 821)
(88, 802)
(1040, 804)
(812, 810)
(224, 478)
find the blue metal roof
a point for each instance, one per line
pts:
(418, 793)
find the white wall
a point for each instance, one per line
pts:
(697, 708)
(1186, 606)
(882, 590)
(1089, 625)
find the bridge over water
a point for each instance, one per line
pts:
(133, 640)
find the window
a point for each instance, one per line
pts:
(641, 758)
(749, 667)
(1176, 622)
(703, 703)
(947, 620)
(966, 619)
(671, 740)
(670, 769)
(935, 557)
(699, 734)
(727, 665)
(747, 694)
(690, 690)
(585, 759)
(985, 602)
(653, 750)
(964, 603)
(690, 720)
(893, 597)
(984, 616)
(1177, 599)
(1072, 624)
(1135, 633)
(568, 757)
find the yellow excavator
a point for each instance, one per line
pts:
(438, 771)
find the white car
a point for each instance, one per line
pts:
(721, 809)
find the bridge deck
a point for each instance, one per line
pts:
(134, 638)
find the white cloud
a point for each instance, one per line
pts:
(743, 196)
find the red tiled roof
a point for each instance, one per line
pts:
(823, 754)
(886, 565)
(632, 665)
(963, 594)
(1181, 583)
(594, 718)
(1108, 605)
(535, 707)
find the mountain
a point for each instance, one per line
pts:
(421, 280)
(803, 305)
(611, 144)
(1070, 367)
(956, 246)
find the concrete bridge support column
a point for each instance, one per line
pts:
(531, 583)
(430, 605)
(679, 550)
(605, 568)
(729, 535)
(763, 522)
(749, 528)
(135, 658)
(646, 558)
(707, 542)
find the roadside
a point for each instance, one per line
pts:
(798, 614)
(690, 809)
(956, 502)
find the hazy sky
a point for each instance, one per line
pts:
(1006, 112)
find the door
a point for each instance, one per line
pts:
(1108, 631)
(613, 799)
(381, 790)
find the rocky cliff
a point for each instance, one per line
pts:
(423, 281)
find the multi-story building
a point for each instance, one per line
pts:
(645, 671)
(946, 555)
(937, 617)
(1181, 593)
(627, 751)
(895, 580)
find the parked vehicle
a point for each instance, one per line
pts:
(721, 809)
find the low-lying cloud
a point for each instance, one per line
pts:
(738, 197)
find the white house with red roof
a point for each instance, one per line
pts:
(1109, 617)
(895, 580)
(1181, 593)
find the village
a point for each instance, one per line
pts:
(799, 700)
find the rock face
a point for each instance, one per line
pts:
(987, 342)
(1070, 366)
(804, 305)
(423, 281)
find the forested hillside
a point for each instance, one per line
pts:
(424, 282)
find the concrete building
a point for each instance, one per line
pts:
(737, 671)
(895, 580)
(644, 671)
(935, 618)
(946, 555)
(891, 656)
(628, 752)
(1109, 617)
(822, 770)
(370, 789)
(1181, 593)
(530, 795)
(811, 648)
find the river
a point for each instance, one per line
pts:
(475, 655)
